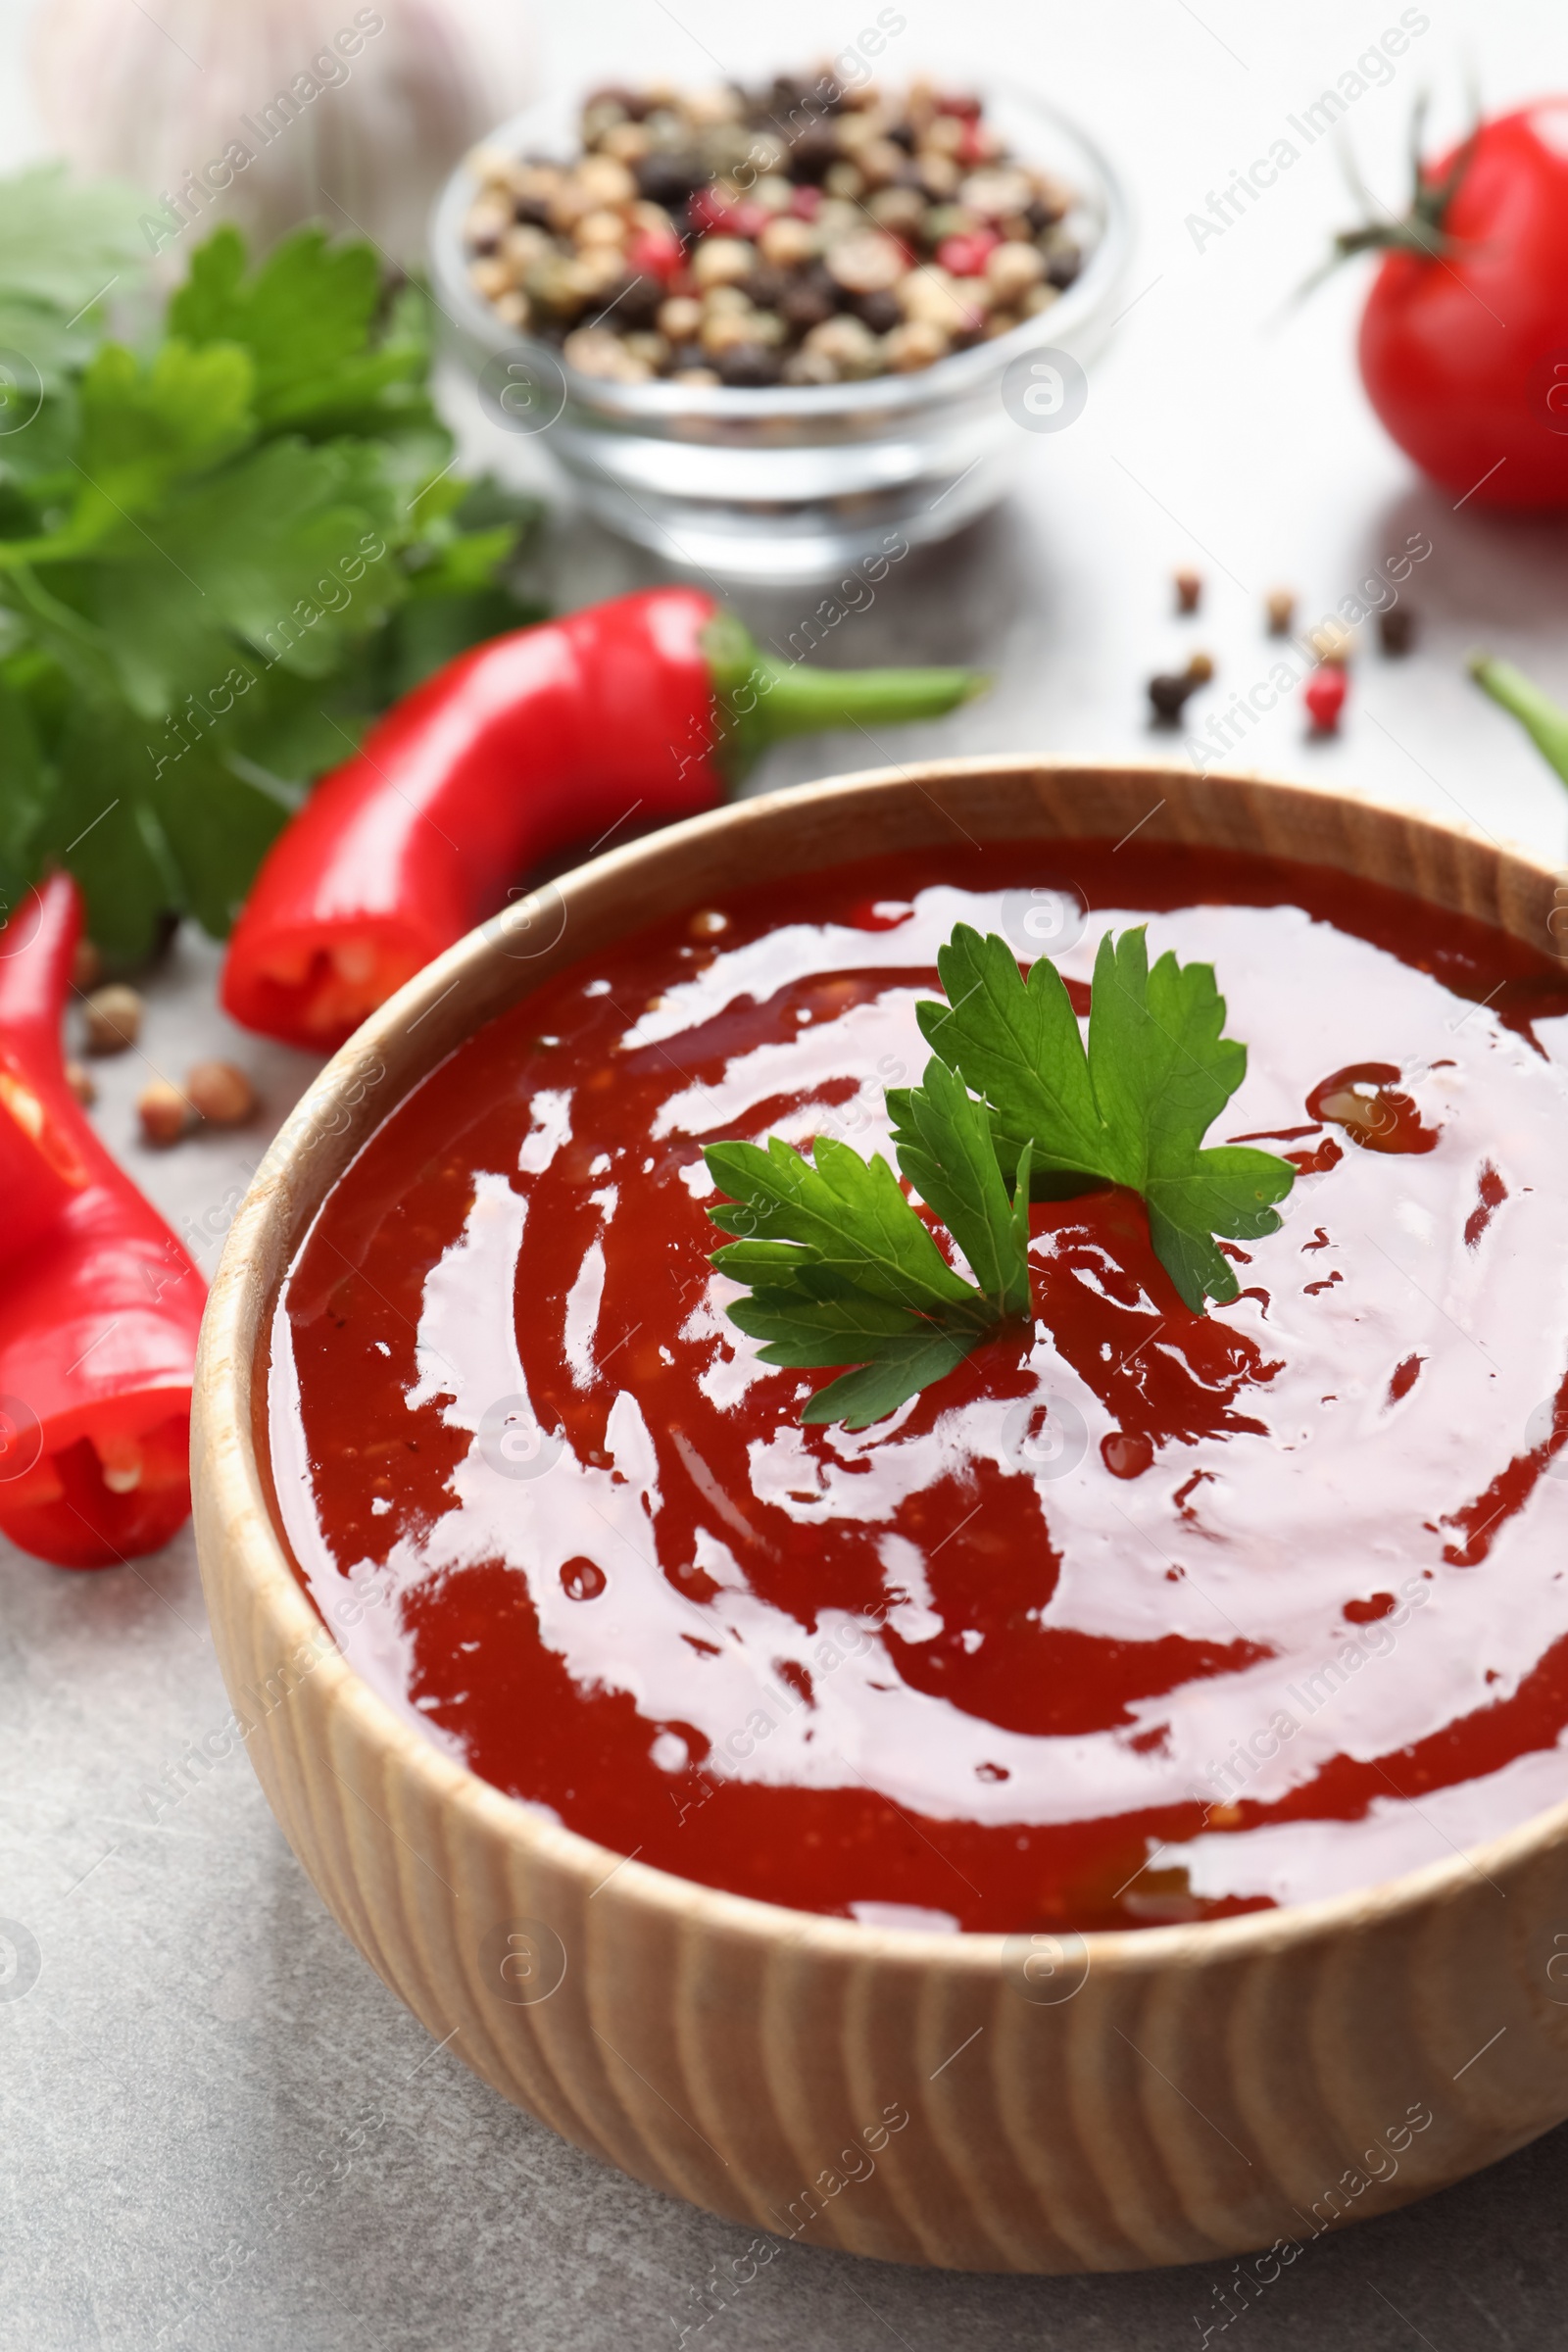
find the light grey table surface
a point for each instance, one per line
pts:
(219, 2129)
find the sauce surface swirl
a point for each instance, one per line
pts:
(1152, 1617)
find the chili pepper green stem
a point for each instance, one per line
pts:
(1545, 721)
(761, 700)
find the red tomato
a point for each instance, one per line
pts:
(1466, 357)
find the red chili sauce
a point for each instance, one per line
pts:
(1155, 1617)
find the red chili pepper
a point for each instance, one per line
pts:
(631, 713)
(1324, 697)
(99, 1304)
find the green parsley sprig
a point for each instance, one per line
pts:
(842, 1269)
(1133, 1108)
(224, 547)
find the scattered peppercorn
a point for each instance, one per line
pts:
(1331, 642)
(1189, 590)
(164, 1113)
(80, 1081)
(1168, 693)
(1279, 607)
(86, 967)
(112, 1017)
(220, 1094)
(1324, 697)
(1397, 630)
(706, 236)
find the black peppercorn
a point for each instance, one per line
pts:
(766, 286)
(1168, 692)
(813, 153)
(805, 305)
(746, 366)
(667, 179)
(633, 304)
(880, 311)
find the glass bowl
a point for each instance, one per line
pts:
(794, 482)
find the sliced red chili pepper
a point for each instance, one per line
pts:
(626, 714)
(99, 1304)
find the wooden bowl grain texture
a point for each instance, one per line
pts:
(1160, 2097)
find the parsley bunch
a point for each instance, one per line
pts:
(224, 549)
(842, 1270)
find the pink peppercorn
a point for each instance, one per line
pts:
(654, 253)
(708, 210)
(1325, 698)
(966, 256)
(806, 203)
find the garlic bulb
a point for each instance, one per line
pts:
(273, 112)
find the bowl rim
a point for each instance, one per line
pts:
(238, 1481)
(961, 372)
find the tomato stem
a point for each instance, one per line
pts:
(1423, 227)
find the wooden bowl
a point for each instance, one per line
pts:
(982, 2102)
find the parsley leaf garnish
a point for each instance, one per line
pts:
(1131, 1110)
(842, 1270)
(222, 553)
